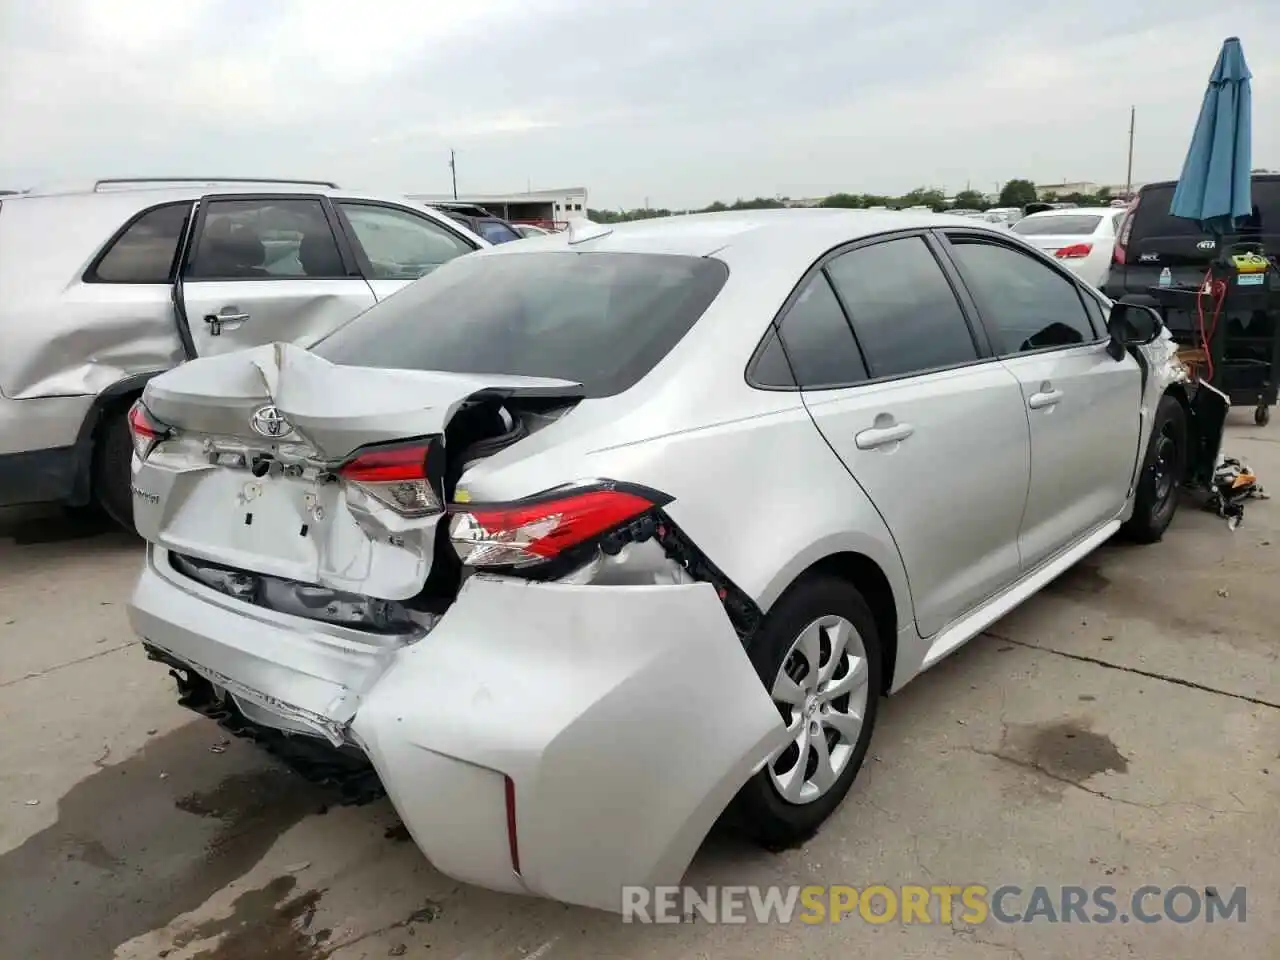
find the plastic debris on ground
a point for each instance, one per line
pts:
(1233, 484)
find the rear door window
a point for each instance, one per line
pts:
(903, 310)
(818, 341)
(771, 368)
(265, 239)
(145, 251)
(599, 319)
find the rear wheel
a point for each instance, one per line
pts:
(820, 654)
(113, 467)
(1163, 473)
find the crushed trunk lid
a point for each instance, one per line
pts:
(248, 475)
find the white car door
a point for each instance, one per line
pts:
(267, 268)
(928, 425)
(1082, 406)
(396, 245)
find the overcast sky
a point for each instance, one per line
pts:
(678, 101)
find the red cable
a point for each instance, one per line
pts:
(1218, 290)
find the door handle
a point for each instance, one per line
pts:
(1045, 398)
(230, 320)
(883, 436)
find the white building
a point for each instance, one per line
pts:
(543, 207)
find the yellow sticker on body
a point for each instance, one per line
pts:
(461, 496)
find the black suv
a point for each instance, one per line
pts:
(1151, 241)
(479, 221)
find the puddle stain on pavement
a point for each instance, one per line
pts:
(132, 849)
(1066, 752)
(266, 924)
(274, 923)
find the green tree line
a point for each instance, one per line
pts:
(1015, 193)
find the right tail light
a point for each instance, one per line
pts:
(544, 528)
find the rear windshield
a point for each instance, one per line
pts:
(601, 319)
(1153, 220)
(1066, 225)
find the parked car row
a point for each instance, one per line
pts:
(480, 221)
(505, 544)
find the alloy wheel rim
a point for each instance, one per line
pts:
(821, 691)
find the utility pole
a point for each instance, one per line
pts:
(1128, 177)
(453, 169)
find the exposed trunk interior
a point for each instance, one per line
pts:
(483, 426)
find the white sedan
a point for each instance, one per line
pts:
(1083, 238)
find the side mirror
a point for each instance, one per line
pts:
(1132, 325)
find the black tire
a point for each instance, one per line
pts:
(1262, 415)
(759, 810)
(113, 468)
(1164, 470)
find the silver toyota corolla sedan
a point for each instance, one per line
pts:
(577, 544)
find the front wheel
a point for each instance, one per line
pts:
(1262, 415)
(820, 652)
(1163, 471)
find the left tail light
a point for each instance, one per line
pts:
(1075, 251)
(398, 477)
(546, 527)
(146, 430)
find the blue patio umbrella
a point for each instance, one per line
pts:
(1213, 189)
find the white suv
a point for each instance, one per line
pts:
(105, 286)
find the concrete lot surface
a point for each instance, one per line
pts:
(1121, 729)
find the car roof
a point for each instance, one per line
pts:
(141, 195)
(48, 235)
(801, 232)
(183, 187)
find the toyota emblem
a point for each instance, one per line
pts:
(269, 422)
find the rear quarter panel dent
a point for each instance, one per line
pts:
(764, 498)
(627, 718)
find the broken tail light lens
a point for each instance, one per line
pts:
(396, 477)
(1075, 251)
(544, 528)
(146, 430)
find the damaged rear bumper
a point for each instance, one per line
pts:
(543, 738)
